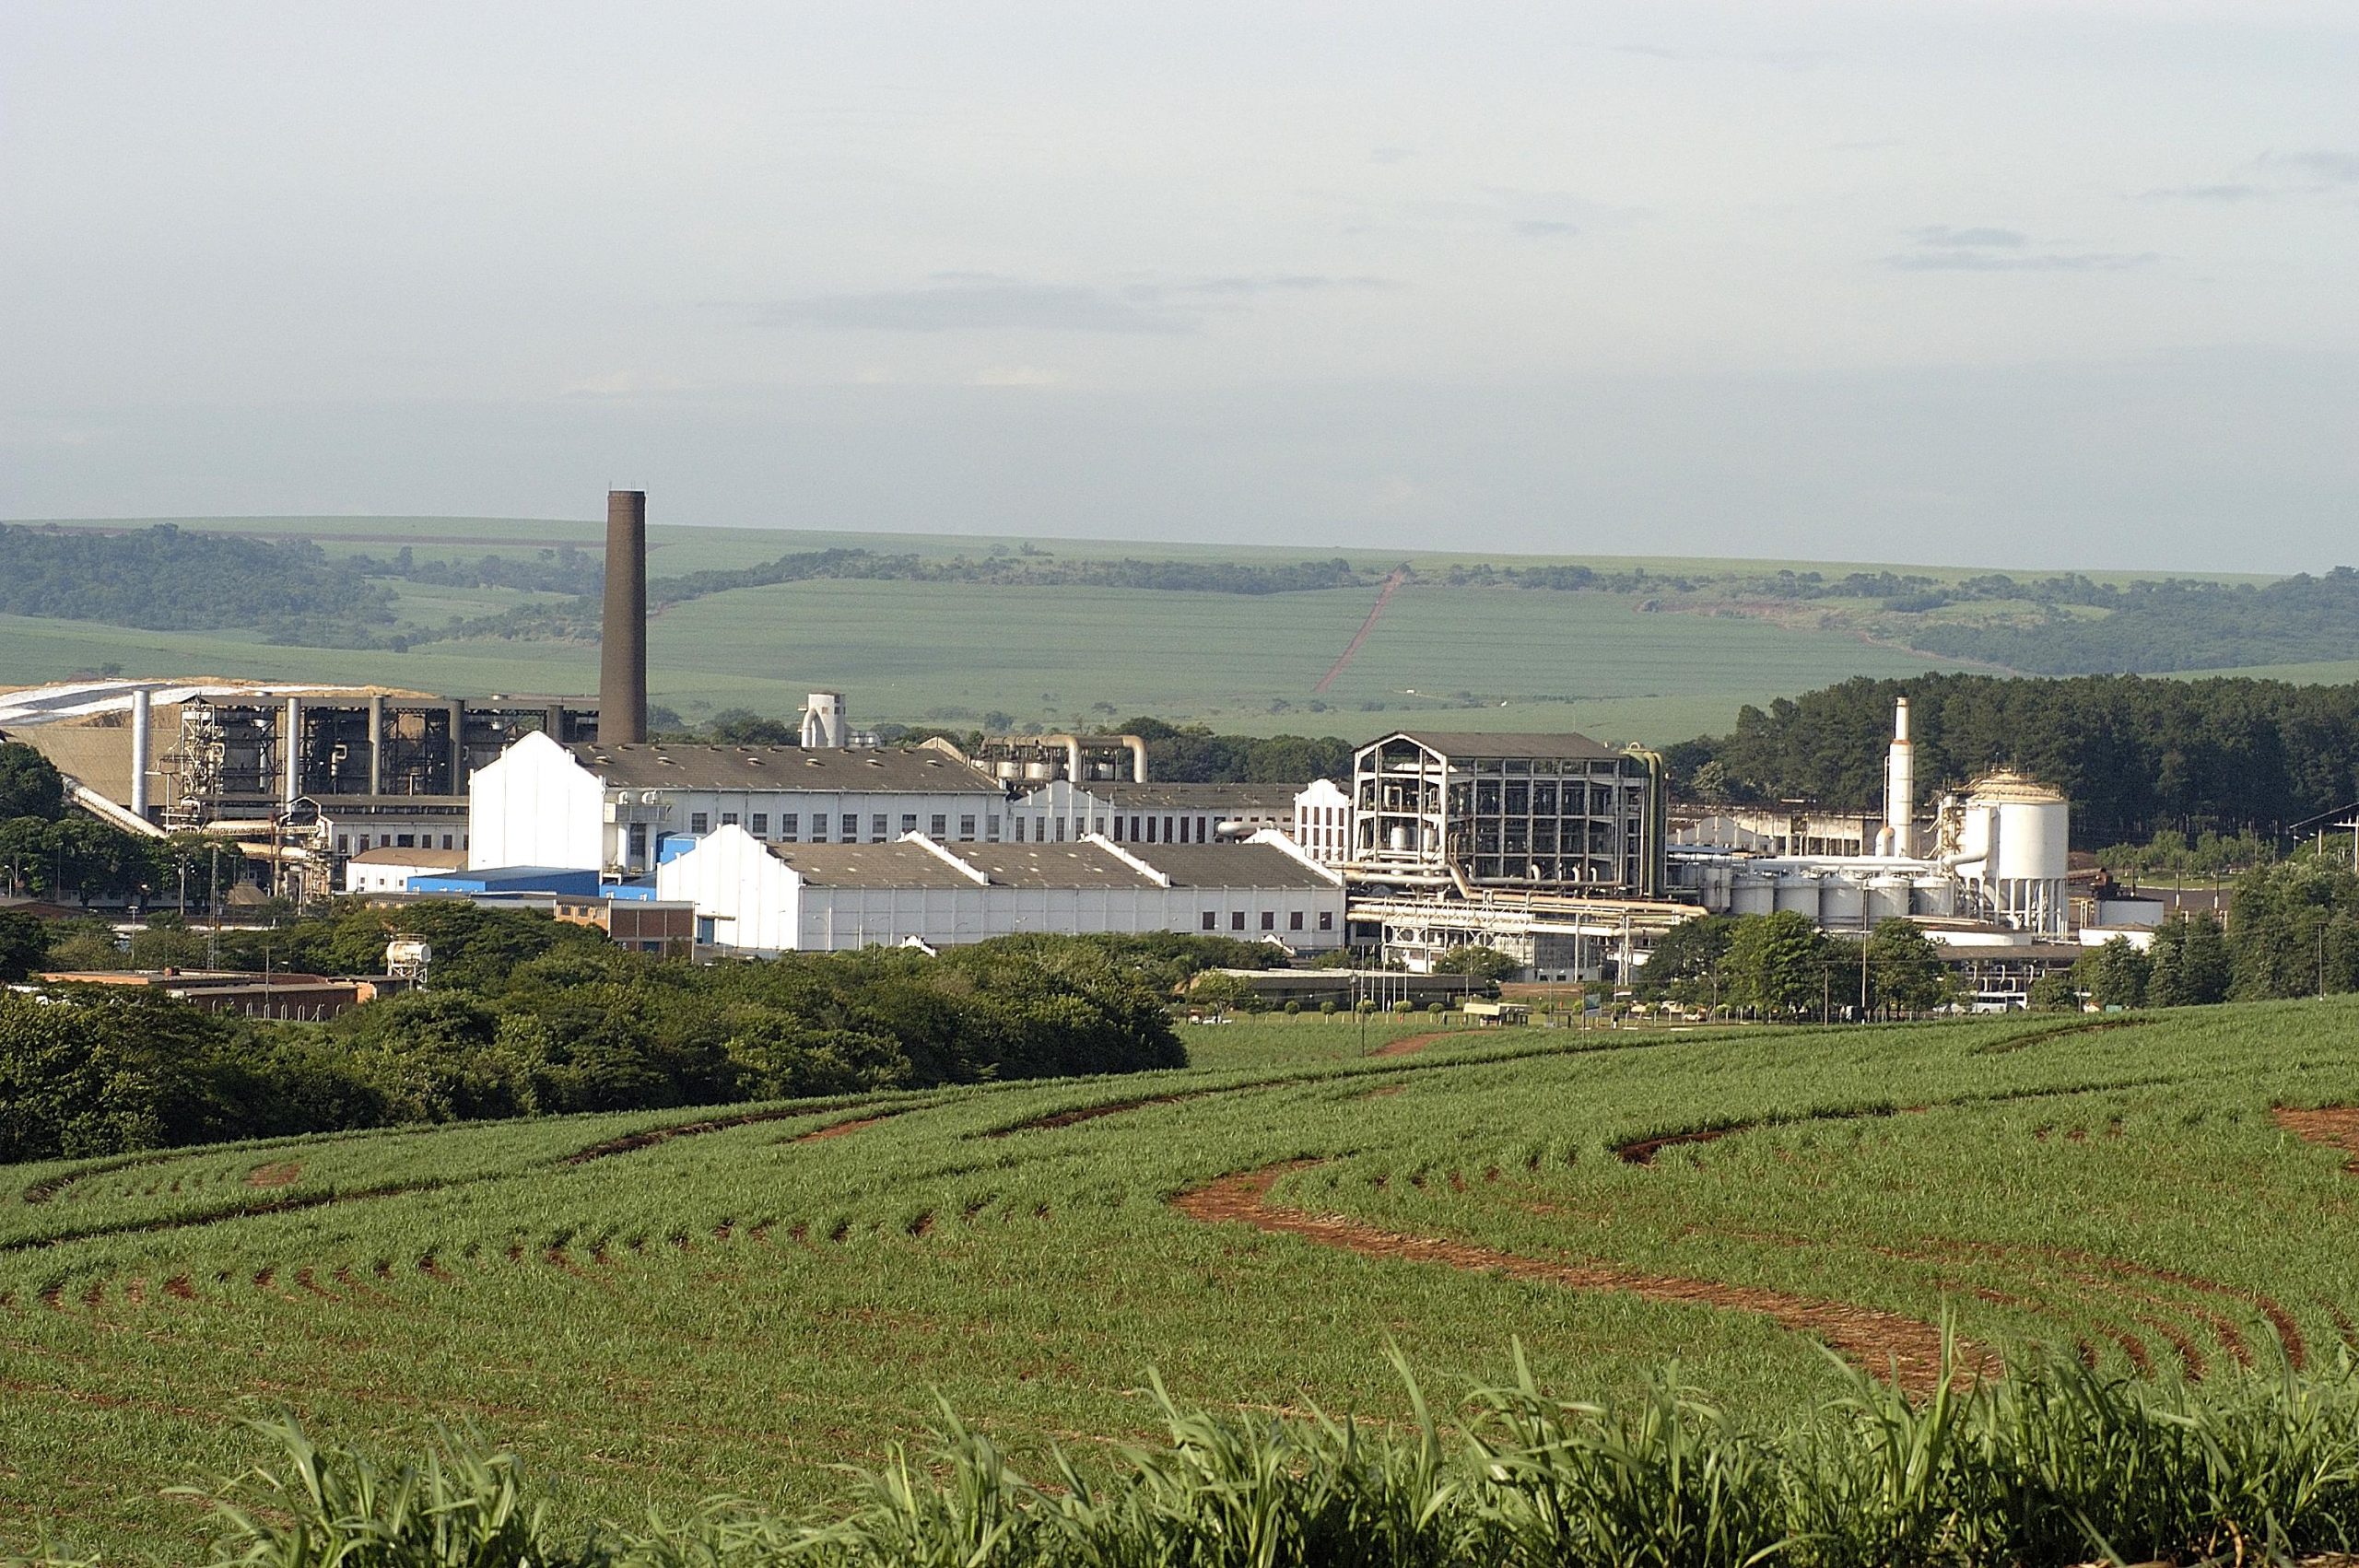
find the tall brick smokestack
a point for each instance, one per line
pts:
(622, 640)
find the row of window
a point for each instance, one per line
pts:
(1269, 920)
(350, 844)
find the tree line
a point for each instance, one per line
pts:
(529, 1017)
(169, 579)
(2136, 756)
(2292, 931)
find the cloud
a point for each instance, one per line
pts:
(1985, 261)
(1975, 238)
(1240, 286)
(2221, 192)
(1390, 155)
(2334, 168)
(964, 302)
(1545, 229)
(1783, 59)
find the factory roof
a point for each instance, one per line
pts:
(885, 769)
(1082, 864)
(1192, 797)
(1229, 865)
(906, 863)
(1476, 742)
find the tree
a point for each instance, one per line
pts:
(1686, 959)
(1905, 969)
(30, 784)
(2192, 965)
(1223, 992)
(24, 944)
(2115, 975)
(1778, 964)
(2055, 991)
(1479, 963)
(108, 1073)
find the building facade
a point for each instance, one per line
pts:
(1473, 813)
(765, 897)
(1060, 812)
(610, 808)
(1322, 821)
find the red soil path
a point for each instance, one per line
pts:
(286, 1173)
(1409, 1046)
(2337, 1126)
(1873, 1339)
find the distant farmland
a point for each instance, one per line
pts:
(653, 1306)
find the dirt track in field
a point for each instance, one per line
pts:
(1870, 1337)
(2337, 1126)
(286, 1173)
(1409, 1046)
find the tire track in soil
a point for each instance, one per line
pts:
(631, 1142)
(1642, 1151)
(1376, 612)
(1876, 1339)
(1410, 1046)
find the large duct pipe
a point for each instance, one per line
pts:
(622, 644)
(294, 753)
(1138, 758)
(143, 743)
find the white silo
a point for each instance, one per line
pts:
(1888, 896)
(2013, 849)
(823, 719)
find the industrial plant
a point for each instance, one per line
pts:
(1565, 855)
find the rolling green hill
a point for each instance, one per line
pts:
(655, 1306)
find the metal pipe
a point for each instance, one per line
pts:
(1138, 758)
(143, 743)
(292, 762)
(377, 745)
(622, 646)
(458, 712)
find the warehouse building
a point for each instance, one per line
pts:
(1060, 811)
(760, 896)
(610, 808)
(1322, 821)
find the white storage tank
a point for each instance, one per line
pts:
(1842, 901)
(1888, 896)
(1753, 892)
(2014, 842)
(1798, 891)
(1935, 896)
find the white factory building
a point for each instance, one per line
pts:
(1060, 811)
(758, 897)
(609, 808)
(1990, 865)
(1322, 821)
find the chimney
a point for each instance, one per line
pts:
(1900, 784)
(622, 641)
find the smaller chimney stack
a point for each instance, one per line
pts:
(1900, 784)
(622, 641)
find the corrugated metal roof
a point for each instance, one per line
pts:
(902, 864)
(1479, 743)
(895, 770)
(1228, 865)
(1051, 865)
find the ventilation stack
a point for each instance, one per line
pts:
(823, 720)
(622, 642)
(1898, 837)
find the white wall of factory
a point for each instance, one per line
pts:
(1322, 821)
(757, 904)
(534, 805)
(1059, 811)
(538, 805)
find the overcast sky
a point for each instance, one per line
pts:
(2072, 282)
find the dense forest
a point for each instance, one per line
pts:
(2136, 756)
(167, 579)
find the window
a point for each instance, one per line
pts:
(1294, 921)
(637, 843)
(446, 841)
(1269, 920)
(761, 824)
(1326, 920)
(938, 826)
(966, 830)
(1237, 920)
(1166, 832)
(729, 819)
(877, 831)
(699, 821)
(1098, 825)
(1117, 830)
(1061, 830)
(343, 843)
(789, 826)
(852, 827)
(819, 827)
(990, 828)
(1212, 921)
(406, 841)
(908, 821)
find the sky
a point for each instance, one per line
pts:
(2073, 283)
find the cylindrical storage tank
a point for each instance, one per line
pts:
(1888, 897)
(1397, 839)
(1753, 892)
(2033, 841)
(1008, 769)
(1842, 902)
(1798, 891)
(1039, 772)
(1935, 896)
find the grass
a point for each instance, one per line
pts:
(742, 1310)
